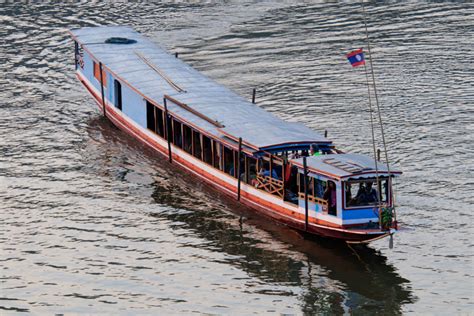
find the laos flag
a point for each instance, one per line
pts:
(356, 57)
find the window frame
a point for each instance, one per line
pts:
(374, 180)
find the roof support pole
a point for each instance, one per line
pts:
(102, 89)
(167, 130)
(305, 180)
(238, 168)
(76, 52)
(283, 175)
(254, 91)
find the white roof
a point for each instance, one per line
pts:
(345, 165)
(135, 63)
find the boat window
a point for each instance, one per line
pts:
(150, 116)
(331, 198)
(365, 193)
(206, 149)
(188, 139)
(251, 170)
(311, 182)
(229, 161)
(159, 122)
(269, 176)
(97, 74)
(264, 167)
(240, 173)
(217, 152)
(177, 135)
(118, 95)
(316, 190)
(319, 188)
(197, 145)
(291, 183)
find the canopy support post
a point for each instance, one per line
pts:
(305, 180)
(254, 91)
(167, 129)
(238, 168)
(76, 52)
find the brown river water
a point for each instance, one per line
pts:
(92, 222)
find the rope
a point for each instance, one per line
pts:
(376, 98)
(372, 121)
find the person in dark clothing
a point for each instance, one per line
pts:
(330, 197)
(370, 193)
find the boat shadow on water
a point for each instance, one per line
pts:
(330, 276)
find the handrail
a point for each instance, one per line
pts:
(271, 185)
(313, 199)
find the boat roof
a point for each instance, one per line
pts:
(340, 166)
(215, 109)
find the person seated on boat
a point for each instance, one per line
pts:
(370, 193)
(330, 197)
(314, 150)
(266, 173)
(361, 197)
(253, 179)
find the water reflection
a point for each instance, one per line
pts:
(333, 276)
(330, 276)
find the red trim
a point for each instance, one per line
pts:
(362, 62)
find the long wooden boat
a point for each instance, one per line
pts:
(280, 169)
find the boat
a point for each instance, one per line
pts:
(279, 169)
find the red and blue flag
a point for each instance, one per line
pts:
(356, 57)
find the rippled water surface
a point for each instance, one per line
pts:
(92, 222)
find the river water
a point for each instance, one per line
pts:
(93, 222)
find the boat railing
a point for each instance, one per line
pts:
(270, 185)
(316, 200)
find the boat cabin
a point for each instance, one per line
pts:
(360, 188)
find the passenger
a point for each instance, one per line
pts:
(361, 196)
(370, 193)
(330, 197)
(314, 150)
(266, 173)
(319, 188)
